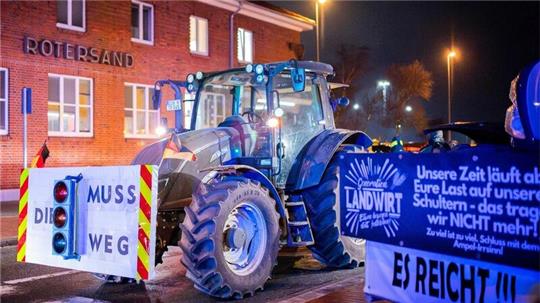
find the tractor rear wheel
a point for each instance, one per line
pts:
(322, 203)
(230, 238)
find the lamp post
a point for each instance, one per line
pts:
(450, 67)
(383, 84)
(318, 3)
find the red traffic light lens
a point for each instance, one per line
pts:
(60, 192)
(59, 243)
(60, 217)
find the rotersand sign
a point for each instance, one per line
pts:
(115, 219)
(59, 49)
(481, 209)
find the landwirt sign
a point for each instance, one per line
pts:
(482, 209)
(116, 209)
(59, 49)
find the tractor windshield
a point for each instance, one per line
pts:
(217, 95)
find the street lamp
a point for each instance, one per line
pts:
(383, 84)
(408, 108)
(450, 67)
(318, 30)
(356, 106)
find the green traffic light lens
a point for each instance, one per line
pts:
(59, 243)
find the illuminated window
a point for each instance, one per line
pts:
(71, 14)
(142, 22)
(198, 35)
(140, 120)
(245, 46)
(70, 106)
(4, 101)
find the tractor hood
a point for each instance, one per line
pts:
(177, 177)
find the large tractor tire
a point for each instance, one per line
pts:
(322, 203)
(230, 238)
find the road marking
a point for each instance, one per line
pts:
(30, 279)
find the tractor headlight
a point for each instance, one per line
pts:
(259, 79)
(259, 69)
(278, 112)
(249, 68)
(199, 75)
(190, 78)
(272, 122)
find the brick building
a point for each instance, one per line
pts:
(91, 66)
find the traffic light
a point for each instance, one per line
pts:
(64, 232)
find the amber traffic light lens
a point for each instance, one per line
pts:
(60, 192)
(60, 217)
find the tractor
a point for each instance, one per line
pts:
(265, 174)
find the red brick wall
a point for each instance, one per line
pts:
(108, 27)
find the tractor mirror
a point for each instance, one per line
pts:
(298, 76)
(156, 98)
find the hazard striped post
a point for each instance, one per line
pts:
(23, 216)
(145, 210)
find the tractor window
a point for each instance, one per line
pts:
(302, 118)
(217, 95)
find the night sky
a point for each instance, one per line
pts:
(495, 40)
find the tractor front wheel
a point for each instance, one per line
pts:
(322, 202)
(230, 237)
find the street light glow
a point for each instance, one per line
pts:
(356, 106)
(451, 54)
(383, 83)
(322, 1)
(408, 108)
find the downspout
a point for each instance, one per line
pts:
(231, 34)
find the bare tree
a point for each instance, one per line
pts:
(351, 65)
(410, 85)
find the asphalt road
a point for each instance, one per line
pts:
(35, 283)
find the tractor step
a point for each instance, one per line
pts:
(298, 223)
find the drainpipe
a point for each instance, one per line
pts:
(231, 34)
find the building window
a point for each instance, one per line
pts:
(198, 35)
(71, 14)
(70, 106)
(4, 100)
(140, 119)
(245, 46)
(142, 22)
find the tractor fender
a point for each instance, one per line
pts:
(313, 159)
(249, 173)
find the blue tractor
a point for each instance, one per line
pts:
(264, 174)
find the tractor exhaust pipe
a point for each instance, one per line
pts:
(231, 34)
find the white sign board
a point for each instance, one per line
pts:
(405, 275)
(111, 201)
(173, 105)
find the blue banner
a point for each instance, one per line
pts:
(476, 205)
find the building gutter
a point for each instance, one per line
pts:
(231, 34)
(264, 14)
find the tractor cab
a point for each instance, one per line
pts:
(272, 111)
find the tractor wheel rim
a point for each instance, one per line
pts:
(244, 238)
